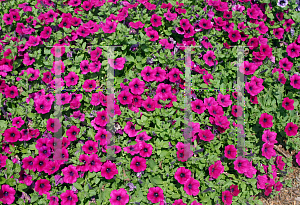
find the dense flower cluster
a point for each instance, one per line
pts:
(59, 124)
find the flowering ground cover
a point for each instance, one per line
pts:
(148, 101)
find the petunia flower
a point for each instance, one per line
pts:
(191, 186)
(138, 164)
(119, 197)
(216, 169)
(288, 103)
(291, 129)
(269, 137)
(109, 170)
(268, 151)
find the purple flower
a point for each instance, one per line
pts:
(58, 179)
(131, 186)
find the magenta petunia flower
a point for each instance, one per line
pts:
(145, 149)
(12, 134)
(95, 54)
(94, 163)
(278, 33)
(262, 28)
(222, 121)
(89, 85)
(293, 50)
(132, 149)
(84, 167)
(227, 197)
(216, 169)
(70, 174)
(143, 137)
(109, 170)
(3, 159)
(280, 163)
(40, 163)
(291, 129)
(125, 97)
(52, 167)
(28, 60)
(138, 164)
(285, 64)
(195, 203)
(209, 58)
(27, 163)
(269, 137)
(179, 202)
(153, 35)
(8, 19)
(265, 120)
(47, 77)
(7, 194)
(198, 106)
(46, 33)
(298, 158)
(130, 129)
(150, 104)
(90, 147)
(68, 198)
(170, 16)
(137, 86)
(234, 190)
(155, 194)
(230, 152)
(191, 186)
(84, 66)
(253, 43)
(42, 186)
(174, 75)
(148, 74)
(155, 20)
(248, 68)
(53, 125)
(205, 24)
(117, 64)
(234, 35)
(119, 197)
(72, 132)
(295, 81)
(278, 186)
(268, 151)
(224, 100)
(83, 31)
(241, 165)
(162, 90)
(11, 92)
(237, 111)
(136, 25)
(182, 174)
(109, 26)
(185, 153)
(205, 135)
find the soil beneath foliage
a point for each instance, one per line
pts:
(287, 195)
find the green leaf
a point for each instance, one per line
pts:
(130, 58)
(83, 45)
(11, 182)
(156, 180)
(34, 197)
(3, 125)
(176, 196)
(21, 186)
(77, 186)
